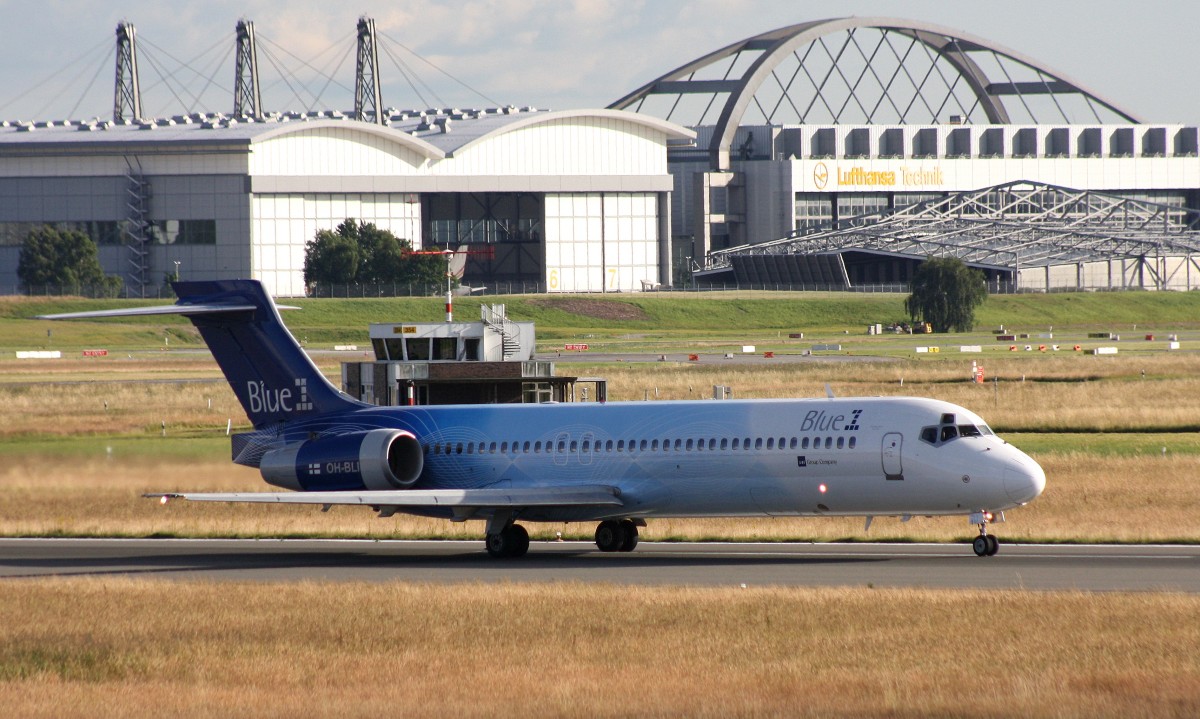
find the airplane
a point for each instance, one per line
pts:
(617, 464)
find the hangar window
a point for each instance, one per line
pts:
(184, 232)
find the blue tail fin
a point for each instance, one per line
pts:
(271, 375)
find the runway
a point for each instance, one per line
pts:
(1036, 567)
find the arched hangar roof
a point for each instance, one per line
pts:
(867, 70)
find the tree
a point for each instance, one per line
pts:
(330, 258)
(360, 252)
(945, 293)
(65, 259)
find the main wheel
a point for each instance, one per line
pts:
(520, 540)
(981, 545)
(610, 536)
(497, 544)
(631, 536)
(993, 545)
(510, 542)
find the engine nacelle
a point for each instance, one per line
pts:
(376, 459)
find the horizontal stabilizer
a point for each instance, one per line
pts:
(186, 310)
(585, 496)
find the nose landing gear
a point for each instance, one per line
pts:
(985, 545)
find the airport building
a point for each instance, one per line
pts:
(834, 153)
(574, 201)
(841, 153)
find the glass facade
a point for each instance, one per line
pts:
(115, 232)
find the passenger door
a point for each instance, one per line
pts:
(892, 466)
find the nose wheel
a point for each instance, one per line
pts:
(985, 545)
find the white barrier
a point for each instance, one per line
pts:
(970, 348)
(39, 354)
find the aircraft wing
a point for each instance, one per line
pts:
(580, 496)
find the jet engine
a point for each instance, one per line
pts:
(375, 459)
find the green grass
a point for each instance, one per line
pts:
(174, 447)
(681, 316)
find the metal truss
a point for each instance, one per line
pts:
(1011, 226)
(864, 71)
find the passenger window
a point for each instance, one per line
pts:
(504, 448)
(679, 444)
(746, 443)
(841, 442)
(829, 443)
(724, 443)
(758, 443)
(492, 448)
(525, 448)
(949, 432)
(804, 443)
(459, 448)
(736, 443)
(771, 443)
(574, 446)
(643, 445)
(562, 445)
(537, 447)
(620, 445)
(587, 446)
(793, 443)
(690, 443)
(852, 441)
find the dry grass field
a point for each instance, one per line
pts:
(134, 648)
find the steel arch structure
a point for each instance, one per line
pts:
(866, 71)
(1007, 227)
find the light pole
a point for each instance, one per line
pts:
(177, 263)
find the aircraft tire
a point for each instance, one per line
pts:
(520, 540)
(610, 536)
(993, 545)
(631, 536)
(981, 545)
(511, 542)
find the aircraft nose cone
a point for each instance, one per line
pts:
(1024, 480)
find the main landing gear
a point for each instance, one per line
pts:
(985, 545)
(512, 541)
(617, 536)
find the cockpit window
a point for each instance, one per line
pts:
(947, 419)
(949, 432)
(968, 430)
(986, 430)
(929, 434)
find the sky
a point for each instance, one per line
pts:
(57, 58)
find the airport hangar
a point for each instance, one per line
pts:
(841, 153)
(834, 153)
(570, 201)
